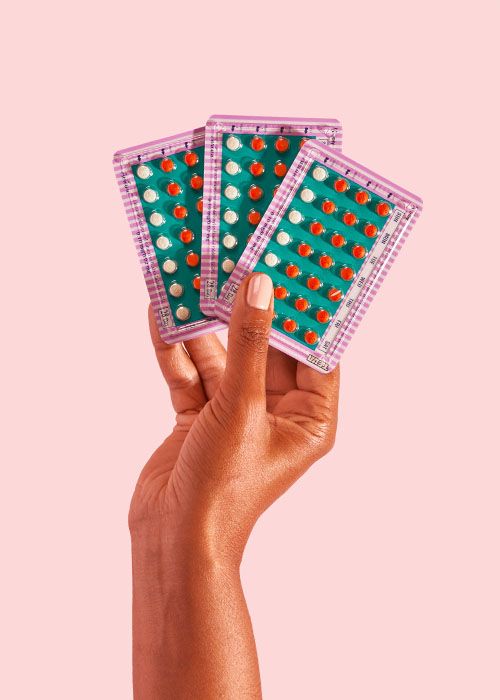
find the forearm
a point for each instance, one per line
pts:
(192, 635)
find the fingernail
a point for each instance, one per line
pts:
(259, 292)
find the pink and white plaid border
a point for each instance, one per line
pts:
(123, 161)
(410, 204)
(324, 130)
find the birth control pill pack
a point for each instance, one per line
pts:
(161, 184)
(327, 241)
(246, 160)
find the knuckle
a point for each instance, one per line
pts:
(254, 333)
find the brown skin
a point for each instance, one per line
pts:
(247, 427)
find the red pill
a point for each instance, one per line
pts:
(190, 159)
(173, 189)
(281, 144)
(253, 217)
(347, 273)
(256, 168)
(303, 141)
(316, 228)
(304, 249)
(362, 197)
(358, 251)
(337, 240)
(199, 205)
(255, 192)
(349, 218)
(382, 209)
(310, 337)
(257, 143)
(301, 304)
(314, 283)
(292, 271)
(192, 259)
(370, 230)
(275, 190)
(186, 235)
(197, 282)
(180, 212)
(328, 206)
(335, 294)
(341, 185)
(167, 165)
(196, 182)
(322, 316)
(289, 325)
(325, 261)
(280, 169)
(280, 292)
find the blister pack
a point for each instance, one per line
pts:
(327, 241)
(246, 161)
(161, 184)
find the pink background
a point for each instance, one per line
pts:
(378, 575)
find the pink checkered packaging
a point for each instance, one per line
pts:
(245, 162)
(327, 240)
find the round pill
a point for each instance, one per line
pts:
(275, 189)
(176, 289)
(163, 243)
(382, 209)
(307, 195)
(295, 217)
(233, 143)
(144, 171)
(325, 261)
(280, 169)
(322, 316)
(303, 141)
(173, 189)
(199, 205)
(362, 197)
(370, 230)
(301, 304)
(255, 192)
(304, 250)
(310, 337)
(313, 283)
(167, 165)
(319, 173)
(292, 271)
(180, 212)
(347, 273)
(282, 144)
(271, 259)
(227, 265)
(196, 182)
(337, 240)
(232, 192)
(283, 238)
(229, 241)
(253, 217)
(196, 283)
(232, 168)
(349, 218)
(150, 195)
(358, 251)
(280, 292)
(258, 143)
(183, 313)
(316, 228)
(192, 259)
(328, 207)
(186, 235)
(341, 185)
(256, 168)
(190, 159)
(335, 294)
(170, 266)
(230, 216)
(289, 325)
(156, 219)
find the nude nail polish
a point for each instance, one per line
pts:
(260, 291)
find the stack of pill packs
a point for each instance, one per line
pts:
(277, 195)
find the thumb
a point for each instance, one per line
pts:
(249, 326)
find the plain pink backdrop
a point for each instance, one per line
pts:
(377, 577)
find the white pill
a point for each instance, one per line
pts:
(232, 168)
(229, 241)
(163, 242)
(170, 266)
(295, 217)
(157, 219)
(232, 192)
(183, 313)
(150, 195)
(227, 265)
(230, 216)
(283, 238)
(176, 289)
(271, 260)
(233, 143)
(144, 171)
(307, 195)
(319, 173)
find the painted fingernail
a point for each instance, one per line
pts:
(260, 292)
